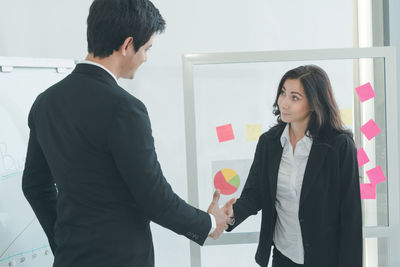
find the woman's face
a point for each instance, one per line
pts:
(293, 103)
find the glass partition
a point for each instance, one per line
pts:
(228, 104)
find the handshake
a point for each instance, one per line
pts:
(223, 216)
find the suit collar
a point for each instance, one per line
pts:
(99, 65)
(93, 70)
(277, 131)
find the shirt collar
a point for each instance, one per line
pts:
(285, 135)
(100, 66)
(285, 138)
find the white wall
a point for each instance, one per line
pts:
(43, 28)
(56, 28)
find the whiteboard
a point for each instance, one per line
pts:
(22, 240)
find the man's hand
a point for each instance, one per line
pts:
(220, 214)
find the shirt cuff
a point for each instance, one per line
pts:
(213, 223)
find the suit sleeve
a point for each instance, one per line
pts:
(132, 147)
(350, 254)
(38, 186)
(250, 201)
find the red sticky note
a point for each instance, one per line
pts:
(370, 129)
(368, 191)
(362, 157)
(365, 92)
(376, 175)
(225, 133)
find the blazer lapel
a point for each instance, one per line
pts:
(314, 164)
(274, 159)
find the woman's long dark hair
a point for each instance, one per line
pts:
(325, 118)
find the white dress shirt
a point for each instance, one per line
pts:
(287, 235)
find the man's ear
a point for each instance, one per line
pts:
(125, 45)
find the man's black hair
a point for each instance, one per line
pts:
(110, 22)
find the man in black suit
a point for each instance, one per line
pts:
(93, 140)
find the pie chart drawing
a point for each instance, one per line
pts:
(227, 181)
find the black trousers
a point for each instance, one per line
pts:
(280, 260)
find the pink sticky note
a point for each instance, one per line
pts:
(225, 133)
(376, 175)
(370, 129)
(365, 92)
(362, 157)
(368, 191)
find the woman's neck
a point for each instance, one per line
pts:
(296, 132)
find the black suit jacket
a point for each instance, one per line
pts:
(93, 140)
(330, 205)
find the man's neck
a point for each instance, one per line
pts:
(108, 62)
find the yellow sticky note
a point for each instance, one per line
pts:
(253, 132)
(347, 116)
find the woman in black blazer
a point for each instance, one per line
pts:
(304, 178)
